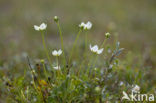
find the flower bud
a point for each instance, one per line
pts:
(42, 61)
(107, 35)
(56, 19)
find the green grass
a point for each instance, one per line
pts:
(84, 77)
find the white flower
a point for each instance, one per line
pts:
(96, 50)
(86, 26)
(36, 27)
(136, 88)
(43, 26)
(57, 68)
(57, 53)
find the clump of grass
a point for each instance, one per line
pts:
(95, 76)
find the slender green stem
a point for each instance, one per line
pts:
(58, 71)
(35, 86)
(85, 53)
(86, 46)
(46, 51)
(94, 64)
(77, 37)
(89, 64)
(27, 93)
(95, 61)
(86, 42)
(57, 59)
(103, 43)
(61, 37)
(45, 72)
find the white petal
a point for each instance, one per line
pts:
(89, 25)
(99, 51)
(82, 24)
(43, 26)
(60, 52)
(85, 27)
(95, 48)
(36, 27)
(54, 53)
(90, 47)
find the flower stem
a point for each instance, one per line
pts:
(86, 42)
(44, 45)
(89, 64)
(103, 43)
(45, 73)
(77, 37)
(61, 37)
(58, 71)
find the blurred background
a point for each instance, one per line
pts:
(133, 21)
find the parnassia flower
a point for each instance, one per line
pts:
(86, 26)
(95, 49)
(57, 68)
(43, 26)
(57, 53)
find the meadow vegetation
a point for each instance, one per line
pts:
(64, 60)
(86, 73)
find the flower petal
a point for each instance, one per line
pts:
(82, 24)
(99, 51)
(89, 25)
(36, 27)
(60, 52)
(95, 48)
(54, 53)
(43, 26)
(90, 46)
